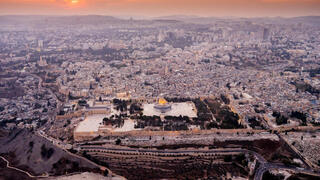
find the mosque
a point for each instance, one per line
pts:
(163, 106)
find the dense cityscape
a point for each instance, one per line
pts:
(173, 97)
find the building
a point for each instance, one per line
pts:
(266, 34)
(42, 62)
(163, 106)
(124, 95)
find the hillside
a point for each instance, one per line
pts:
(34, 154)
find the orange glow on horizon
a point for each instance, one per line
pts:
(243, 8)
(73, 4)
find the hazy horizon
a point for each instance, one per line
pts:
(153, 17)
(156, 8)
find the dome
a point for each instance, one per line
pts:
(162, 101)
(162, 105)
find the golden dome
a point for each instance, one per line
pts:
(162, 101)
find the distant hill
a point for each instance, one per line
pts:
(97, 20)
(177, 17)
(89, 20)
(314, 20)
(60, 20)
(169, 21)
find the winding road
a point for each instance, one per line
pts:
(25, 172)
(272, 166)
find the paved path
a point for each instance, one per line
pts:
(272, 166)
(25, 172)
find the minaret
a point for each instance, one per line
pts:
(166, 70)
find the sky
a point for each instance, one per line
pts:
(154, 8)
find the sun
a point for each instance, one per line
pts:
(74, 1)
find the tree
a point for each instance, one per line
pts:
(118, 141)
(281, 120)
(82, 102)
(227, 158)
(46, 153)
(225, 99)
(301, 116)
(31, 143)
(268, 176)
(106, 173)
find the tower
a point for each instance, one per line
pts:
(40, 44)
(266, 34)
(166, 70)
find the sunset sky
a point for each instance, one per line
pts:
(243, 8)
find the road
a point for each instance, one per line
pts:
(277, 131)
(25, 172)
(271, 166)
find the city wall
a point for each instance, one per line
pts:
(75, 114)
(103, 132)
(84, 136)
(143, 133)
